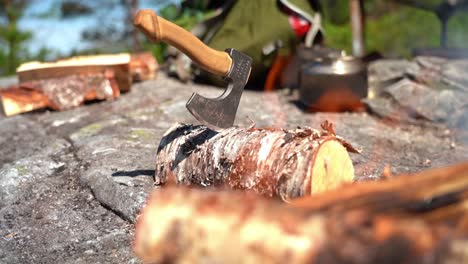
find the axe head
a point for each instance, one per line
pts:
(220, 112)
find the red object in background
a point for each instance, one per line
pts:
(299, 25)
(274, 75)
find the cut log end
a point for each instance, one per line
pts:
(331, 167)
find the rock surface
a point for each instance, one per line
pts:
(427, 88)
(72, 182)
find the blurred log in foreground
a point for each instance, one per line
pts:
(437, 194)
(181, 225)
(70, 82)
(272, 162)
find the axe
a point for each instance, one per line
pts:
(233, 65)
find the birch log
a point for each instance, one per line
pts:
(271, 162)
(181, 225)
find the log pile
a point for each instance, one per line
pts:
(143, 66)
(59, 93)
(67, 83)
(420, 218)
(271, 162)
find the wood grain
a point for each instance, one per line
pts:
(158, 29)
(118, 63)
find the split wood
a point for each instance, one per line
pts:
(59, 93)
(70, 82)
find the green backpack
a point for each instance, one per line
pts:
(258, 28)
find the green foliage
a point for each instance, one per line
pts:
(398, 33)
(158, 50)
(53, 12)
(457, 31)
(12, 11)
(336, 11)
(392, 29)
(395, 30)
(10, 34)
(43, 54)
(12, 39)
(338, 36)
(73, 9)
(3, 59)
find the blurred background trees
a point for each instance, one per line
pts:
(12, 38)
(14, 41)
(444, 10)
(394, 28)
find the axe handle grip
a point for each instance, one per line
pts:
(158, 29)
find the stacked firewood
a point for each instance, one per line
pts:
(280, 217)
(68, 83)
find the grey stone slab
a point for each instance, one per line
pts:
(434, 105)
(21, 131)
(47, 216)
(72, 182)
(425, 87)
(119, 163)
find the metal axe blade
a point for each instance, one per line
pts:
(220, 112)
(233, 65)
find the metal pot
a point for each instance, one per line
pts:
(333, 82)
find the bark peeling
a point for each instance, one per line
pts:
(272, 162)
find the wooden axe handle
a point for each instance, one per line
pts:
(158, 29)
